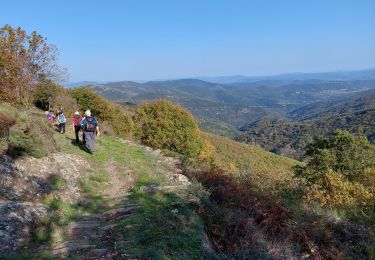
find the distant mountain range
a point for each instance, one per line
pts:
(337, 75)
(81, 83)
(233, 79)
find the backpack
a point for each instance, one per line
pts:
(62, 119)
(91, 125)
(77, 120)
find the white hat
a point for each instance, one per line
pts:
(76, 113)
(88, 113)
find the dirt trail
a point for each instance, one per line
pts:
(91, 237)
(27, 180)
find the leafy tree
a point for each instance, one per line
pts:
(25, 60)
(45, 94)
(339, 171)
(162, 124)
(343, 153)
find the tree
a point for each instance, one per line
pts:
(340, 171)
(343, 153)
(45, 94)
(25, 61)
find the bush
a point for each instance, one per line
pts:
(6, 121)
(339, 172)
(335, 192)
(29, 132)
(164, 125)
(104, 110)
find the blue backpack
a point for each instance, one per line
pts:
(62, 118)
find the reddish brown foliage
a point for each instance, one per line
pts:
(238, 218)
(6, 122)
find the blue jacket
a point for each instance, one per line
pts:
(84, 123)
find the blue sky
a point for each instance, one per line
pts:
(144, 40)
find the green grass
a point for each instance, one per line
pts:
(14, 112)
(166, 227)
(57, 182)
(166, 224)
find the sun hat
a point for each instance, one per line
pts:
(88, 113)
(76, 113)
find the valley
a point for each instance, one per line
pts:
(279, 113)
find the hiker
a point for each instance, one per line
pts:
(90, 127)
(77, 119)
(61, 121)
(51, 117)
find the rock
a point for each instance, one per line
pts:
(18, 221)
(110, 214)
(151, 188)
(109, 227)
(44, 171)
(157, 152)
(173, 176)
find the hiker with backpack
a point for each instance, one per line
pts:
(90, 128)
(61, 121)
(52, 118)
(77, 119)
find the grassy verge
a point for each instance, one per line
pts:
(165, 225)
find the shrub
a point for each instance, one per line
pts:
(6, 121)
(162, 124)
(335, 192)
(29, 134)
(338, 172)
(104, 110)
(343, 153)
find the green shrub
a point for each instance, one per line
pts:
(339, 172)
(12, 111)
(164, 125)
(104, 110)
(26, 142)
(30, 133)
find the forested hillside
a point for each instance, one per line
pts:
(290, 136)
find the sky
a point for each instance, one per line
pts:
(148, 40)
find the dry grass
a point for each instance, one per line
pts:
(265, 170)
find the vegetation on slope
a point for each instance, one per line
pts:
(289, 138)
(164, 125)
(265, 170)
(340, 173)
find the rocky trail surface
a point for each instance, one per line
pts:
(27, 183)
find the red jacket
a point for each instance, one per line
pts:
(77, 120)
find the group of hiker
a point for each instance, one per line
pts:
(88, 125)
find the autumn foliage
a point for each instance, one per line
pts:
(25, 60)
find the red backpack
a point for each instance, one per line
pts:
(77, 120)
